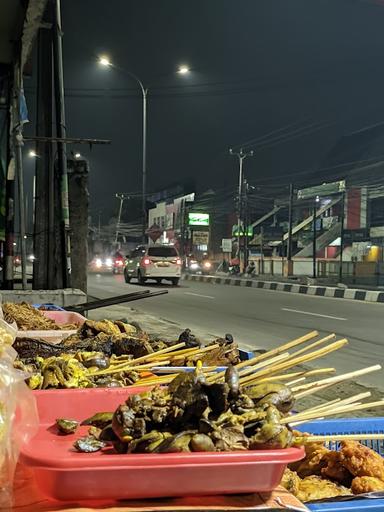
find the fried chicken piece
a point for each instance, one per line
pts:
(291, 481)
(361, 460)
(316, 488)
(334, 468)
(313, 462)
(363, 484)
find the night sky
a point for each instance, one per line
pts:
(310, 68)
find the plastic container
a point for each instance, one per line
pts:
(48, 307)
(55, 336)
(372, 425)
(64, 474)
(65, 317)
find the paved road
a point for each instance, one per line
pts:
(263, 319)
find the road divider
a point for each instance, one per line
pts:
(320, 291)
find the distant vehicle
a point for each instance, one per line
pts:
(99, 264)
(157, 262)
(118, 265)
(195, 266)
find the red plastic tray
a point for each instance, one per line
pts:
(65, 317)
(64, 474)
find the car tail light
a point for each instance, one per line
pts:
(178, 261)
(146, 261)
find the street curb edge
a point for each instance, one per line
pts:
(320, 291)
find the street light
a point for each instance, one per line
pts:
(105, 62)
(183, 70)
(77, 155)
(32, 154)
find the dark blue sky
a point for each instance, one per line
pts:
(258, 66)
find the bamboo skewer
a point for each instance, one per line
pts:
(330, 405)
(262, 364)
(168, 352)
(272, 352)
(314, 345)
(342, 437)
(332, 412)
(307, 389)
(298, 360)
(304, 374)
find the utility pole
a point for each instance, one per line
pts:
(61, 146)
(246, 222)
(121, 198)
(47, 273)
(342, 218)
(289, 241)
(144, 171)
(241, 157)
(314, 273)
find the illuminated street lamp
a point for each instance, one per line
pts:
(32, 154)
(77, 155)
(104, 61)
(183, 70)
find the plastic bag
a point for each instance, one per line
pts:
(18, 413)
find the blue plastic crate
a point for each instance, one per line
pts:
(374, 425)
(49, 307)
(245, 355)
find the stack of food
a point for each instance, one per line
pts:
(324, 473)
(194, 415)
(28, 318)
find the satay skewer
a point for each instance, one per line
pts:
(312, 387)
(332, 412)
(271, 353)
(341, 437)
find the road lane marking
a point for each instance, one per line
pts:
(313, 314)
(199, 295)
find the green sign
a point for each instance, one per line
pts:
(326, 189)
(242, 232)
(198, 219)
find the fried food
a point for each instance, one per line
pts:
(316, 488)
(291, 481)
(29, 318)
(313, 462)
(334, 468)
(363, 484)
(361, 460)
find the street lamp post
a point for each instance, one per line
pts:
(183, 70)
(241, 157)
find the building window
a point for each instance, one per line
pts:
(376, 207)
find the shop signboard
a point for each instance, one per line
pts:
(226, 245)
(198, 219)
(326, 189)
(200, 237)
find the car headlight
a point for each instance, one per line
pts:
(207, 264)
(109, 262)
(98, 263)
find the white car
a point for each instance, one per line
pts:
(157, 262)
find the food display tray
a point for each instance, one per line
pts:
(55, 336)
(48, 307)
(373, 425)
(64, 474)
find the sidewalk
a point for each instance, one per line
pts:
(286, 285)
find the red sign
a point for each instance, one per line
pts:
(154, 232)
